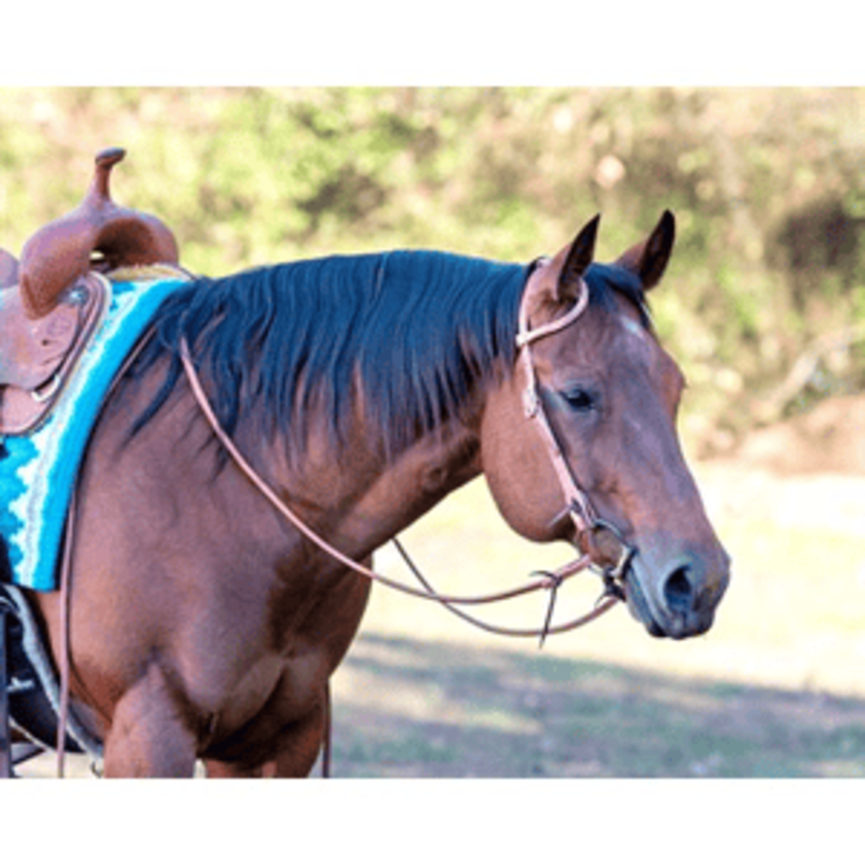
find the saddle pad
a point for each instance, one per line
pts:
(38, 470)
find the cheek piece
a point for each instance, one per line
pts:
(604, 549)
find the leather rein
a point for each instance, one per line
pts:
(579, 508)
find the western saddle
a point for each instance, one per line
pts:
(51, 301)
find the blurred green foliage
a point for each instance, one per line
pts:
(768, 186)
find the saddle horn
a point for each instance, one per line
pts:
(98, 234)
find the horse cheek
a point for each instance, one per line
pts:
(518, 472)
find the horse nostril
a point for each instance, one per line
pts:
(678, 591)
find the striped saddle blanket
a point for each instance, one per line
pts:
(38, 470)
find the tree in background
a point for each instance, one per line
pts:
(768, 186)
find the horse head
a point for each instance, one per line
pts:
(609, 394)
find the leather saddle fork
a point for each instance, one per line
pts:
(50, 303)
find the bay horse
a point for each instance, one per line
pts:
(203, 625)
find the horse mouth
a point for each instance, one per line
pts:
(676, 626)
(638, 605)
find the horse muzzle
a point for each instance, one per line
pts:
(679, 599)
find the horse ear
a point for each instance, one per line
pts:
(648, 260)
(579, 257)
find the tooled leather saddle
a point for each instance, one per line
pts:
(51, 302)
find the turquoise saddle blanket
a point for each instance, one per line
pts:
(38, 471)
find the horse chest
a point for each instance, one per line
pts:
(276, 693)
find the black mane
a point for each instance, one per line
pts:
(417, 329)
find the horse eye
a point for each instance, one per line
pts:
(580, 399)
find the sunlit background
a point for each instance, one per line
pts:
(763, 306)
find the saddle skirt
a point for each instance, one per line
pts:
(39, 468)
(39, 356)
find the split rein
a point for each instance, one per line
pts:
(579, 508)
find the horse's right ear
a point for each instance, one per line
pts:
(648, 260)
(579, 257)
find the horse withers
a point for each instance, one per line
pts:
(364, 389)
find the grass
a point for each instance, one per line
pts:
(430, 709)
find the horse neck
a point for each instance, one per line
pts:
(361, 497)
